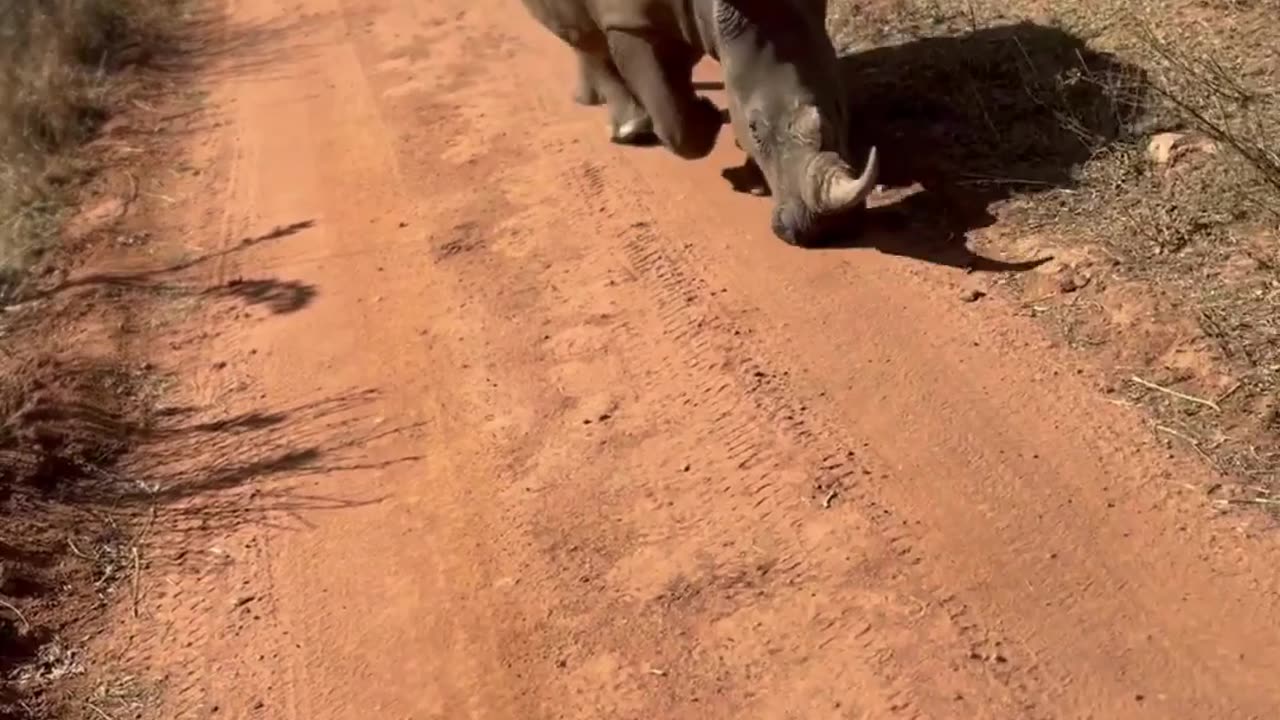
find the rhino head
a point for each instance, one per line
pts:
(787, 105)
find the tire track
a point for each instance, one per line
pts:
(752, 414)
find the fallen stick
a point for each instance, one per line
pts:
(1175, 393)
(25, 625)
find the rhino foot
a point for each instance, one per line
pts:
(636, 131)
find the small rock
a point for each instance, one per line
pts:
(244, 600)
(972, 295)
(1160, 149)
(1165, 148)
(1069, 282)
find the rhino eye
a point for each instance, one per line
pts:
(757, 129)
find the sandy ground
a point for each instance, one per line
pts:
(562, 431)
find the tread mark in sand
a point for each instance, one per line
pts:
(748, 422)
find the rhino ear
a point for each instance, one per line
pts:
(758, 126)
(730, 22)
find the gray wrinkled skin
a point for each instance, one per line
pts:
(786, 100)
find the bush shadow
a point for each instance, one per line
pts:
(203, 472)
(280, 297)
(979, 118)
(973, 120)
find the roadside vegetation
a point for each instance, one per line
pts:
(66, 67)
(1138, 143)
(60, 75)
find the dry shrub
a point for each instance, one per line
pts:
(59, 78)
(57, 61)
(1056, 102)
(1211, 66)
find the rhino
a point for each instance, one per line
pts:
(787, 103)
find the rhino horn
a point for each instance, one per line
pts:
(840, 190)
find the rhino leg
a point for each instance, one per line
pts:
(661, 76)
(588, 90)
(629, 124)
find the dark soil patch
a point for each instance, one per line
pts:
(61, 438)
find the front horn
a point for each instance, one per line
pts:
(840, 190)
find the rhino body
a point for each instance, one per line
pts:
(786, 100)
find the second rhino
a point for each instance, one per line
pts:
(786, 99)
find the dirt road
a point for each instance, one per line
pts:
(564, 432)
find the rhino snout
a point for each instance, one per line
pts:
(828, 197)
(794, 224)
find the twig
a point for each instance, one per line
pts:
(151, 520)
(133, 189)
(137, 561)
(1037, 301)
(25, 625)
(158, 196)
(1195, 445)
(1256, 501)
(76, 551)
(1230, 392)
(1175, 393)
(137, 579)
(1175, 433)
(978, 179)
(98, 711)
(826, 502)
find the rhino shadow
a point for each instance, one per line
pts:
(976, 119)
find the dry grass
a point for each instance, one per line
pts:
(1117, 71)
(58, 62)
(1045, 109)
(64, 66)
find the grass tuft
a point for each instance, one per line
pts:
(59, 61)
